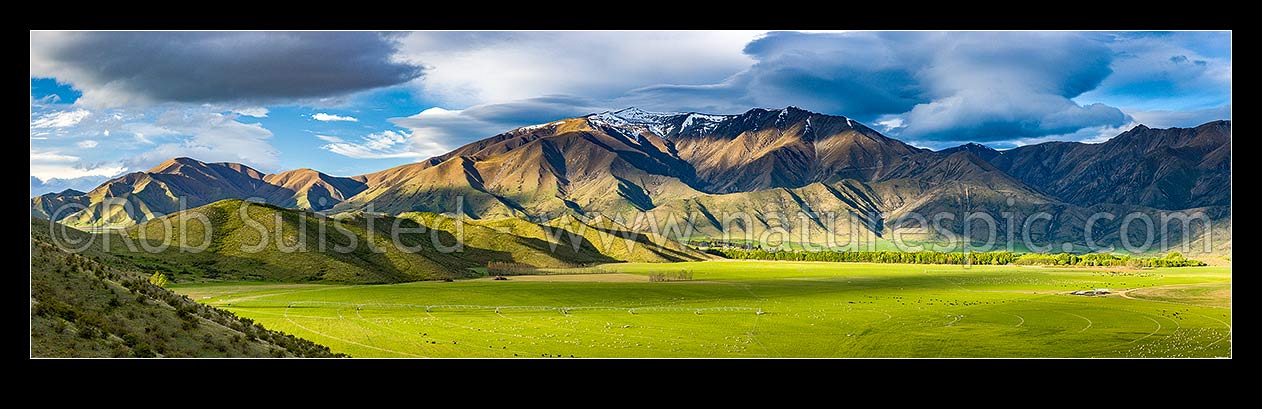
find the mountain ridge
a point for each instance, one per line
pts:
(632, 161)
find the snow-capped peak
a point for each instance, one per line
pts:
(639, 116)
(635, 118)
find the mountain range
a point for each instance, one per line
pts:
(638, 167)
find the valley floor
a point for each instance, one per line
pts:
(760, 309)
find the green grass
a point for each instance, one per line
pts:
(809, 310)
(877, 244)
(81, 307)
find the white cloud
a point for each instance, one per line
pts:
(323, 117)
(437, 128)
(208, 136)
(469, 68)
(387, 145)
(1095, 134)
(141, 138)
(46, 100)
(1163, 72)
(51, 171)
(257, 112)
(1180, 119)
(327, 138)
(51, 157)
(52, 165)
(60, 119)
(890, 122)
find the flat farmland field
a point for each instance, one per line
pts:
(760, 309)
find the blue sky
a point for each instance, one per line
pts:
(348, 103)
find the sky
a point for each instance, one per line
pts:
(348, 103)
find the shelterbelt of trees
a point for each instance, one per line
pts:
(1173, 259)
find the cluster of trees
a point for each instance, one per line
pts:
(685, 275)
(712, 243)
(504, 268)
(159, 279)
(1174, 259)
(903, 257)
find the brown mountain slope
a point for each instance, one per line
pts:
(577, 165)
(632, 160)
(141, 196)
(1175, 168)
(307, 189)
(57, 206)
(925, 184)
(788, 147)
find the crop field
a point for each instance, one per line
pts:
(760, 309)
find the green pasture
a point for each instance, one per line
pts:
(760, 309)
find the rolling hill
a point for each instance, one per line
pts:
(82, 305)
(240, 240)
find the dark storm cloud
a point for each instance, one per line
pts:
(980, 86)
(218, 66)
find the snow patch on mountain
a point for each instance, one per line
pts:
(705, 123)
(539, 126)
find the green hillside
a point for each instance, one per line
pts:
(562, 242)
(260, 242)
(83, 307)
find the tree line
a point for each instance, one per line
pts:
(508, 268)
(1174, 259)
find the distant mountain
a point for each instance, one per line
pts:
(307, 189)
(159, 191)
(53, 185)
(57, 206)
(982, 151)
(172, 185)
(1175, 168)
